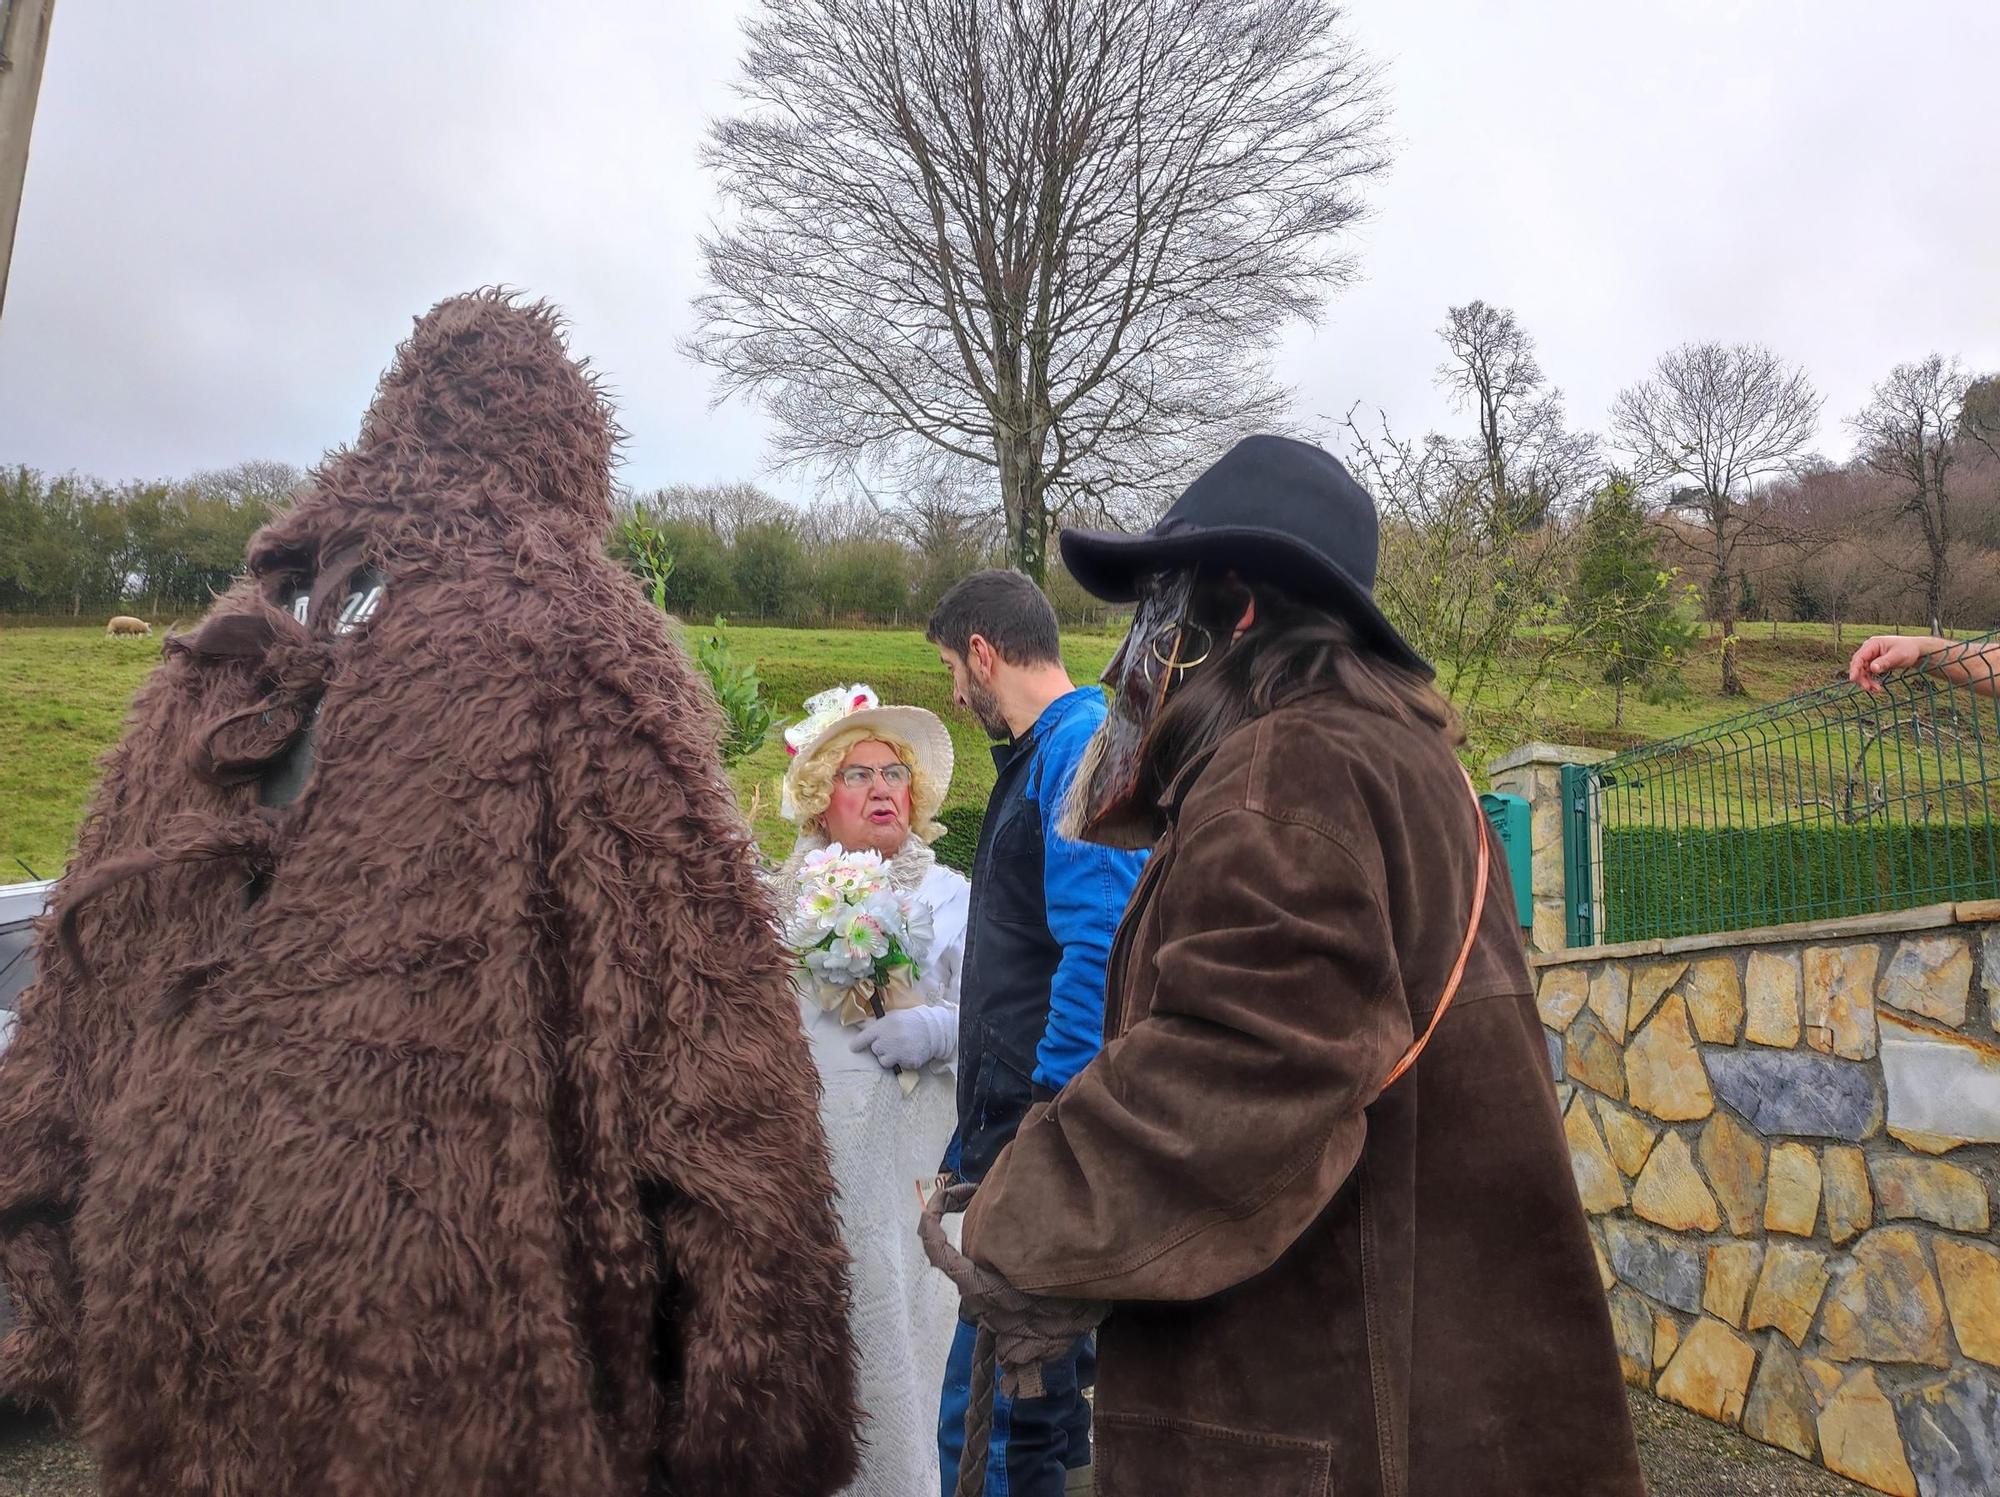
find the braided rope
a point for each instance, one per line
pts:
(978, 1420)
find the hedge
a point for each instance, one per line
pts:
(1661, 882)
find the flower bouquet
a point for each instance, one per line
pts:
(859, 939)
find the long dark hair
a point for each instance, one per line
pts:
(1290, 648)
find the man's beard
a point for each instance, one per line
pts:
(986, 708)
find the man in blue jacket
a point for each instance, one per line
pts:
(1031, 1000)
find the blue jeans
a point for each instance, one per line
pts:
(1035, 1441)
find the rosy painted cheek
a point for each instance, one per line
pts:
(845, 805)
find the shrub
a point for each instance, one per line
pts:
(644, 548)
(1664, 882)
(745, 713)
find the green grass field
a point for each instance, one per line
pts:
(63, 693)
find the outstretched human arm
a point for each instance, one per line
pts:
(1966, 664)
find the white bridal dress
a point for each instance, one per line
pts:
(884, 1145)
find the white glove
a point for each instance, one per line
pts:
(908, 1038)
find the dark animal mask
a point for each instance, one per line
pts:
(1105, 804)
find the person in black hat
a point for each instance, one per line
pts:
(1317, 1175)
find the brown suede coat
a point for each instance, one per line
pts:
(1320, 1287)
(449, 1130)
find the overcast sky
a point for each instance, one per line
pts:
(234, 208)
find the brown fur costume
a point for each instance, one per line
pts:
(448, 1130)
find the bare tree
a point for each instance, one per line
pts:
(1909, 433)
(261, 482)
(1828, 564)
(1980, 418)
(1847, 574)
(724, 508)
(1050, 239)
(855, 516)
(1711, 421)
(942, 522)
(1476, 552)
(1474, 599)
(1527, 459)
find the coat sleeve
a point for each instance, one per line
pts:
(1195, 1149)
(673, 967)
(42, 1163)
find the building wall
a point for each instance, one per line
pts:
(1788, 1143)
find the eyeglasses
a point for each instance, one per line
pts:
(861, 776)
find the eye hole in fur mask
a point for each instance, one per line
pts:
(1162, 646)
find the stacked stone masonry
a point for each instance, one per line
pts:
(1788, 1143)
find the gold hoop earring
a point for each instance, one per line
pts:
(1173, 662)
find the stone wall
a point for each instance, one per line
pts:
(1788, 1142)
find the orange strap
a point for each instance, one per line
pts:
(1464, 952)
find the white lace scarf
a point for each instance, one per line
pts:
(907, 870)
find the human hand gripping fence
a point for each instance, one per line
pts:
(1871, 795)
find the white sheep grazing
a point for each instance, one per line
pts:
(126, 624)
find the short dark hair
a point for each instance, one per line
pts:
(1005, 609)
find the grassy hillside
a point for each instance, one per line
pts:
(63, 693)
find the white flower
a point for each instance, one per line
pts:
(861, 934)
(857, 875)
(850, 951)
(919, 930)
(812, 920)
(883, 908)
(818, 905)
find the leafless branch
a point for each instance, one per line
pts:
(1711, 421)
(1053, 240)
(1910, 433)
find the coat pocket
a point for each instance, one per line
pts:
(1151, 1456)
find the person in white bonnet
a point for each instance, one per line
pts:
(868, 778)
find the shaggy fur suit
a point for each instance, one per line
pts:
(447, 1130)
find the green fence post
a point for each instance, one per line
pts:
(1579, 922)
(1512, 823)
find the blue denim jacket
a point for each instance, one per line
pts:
(1043, 914)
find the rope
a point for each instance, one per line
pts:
(978, 1419)
(1465, 950)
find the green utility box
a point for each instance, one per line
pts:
(1509, 816)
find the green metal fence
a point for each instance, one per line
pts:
(1838, 802)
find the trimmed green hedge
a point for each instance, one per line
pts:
(1660, 882)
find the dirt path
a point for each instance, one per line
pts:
(37, 1462)
(1684, 1456)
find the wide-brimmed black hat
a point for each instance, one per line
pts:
(1271, 508)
